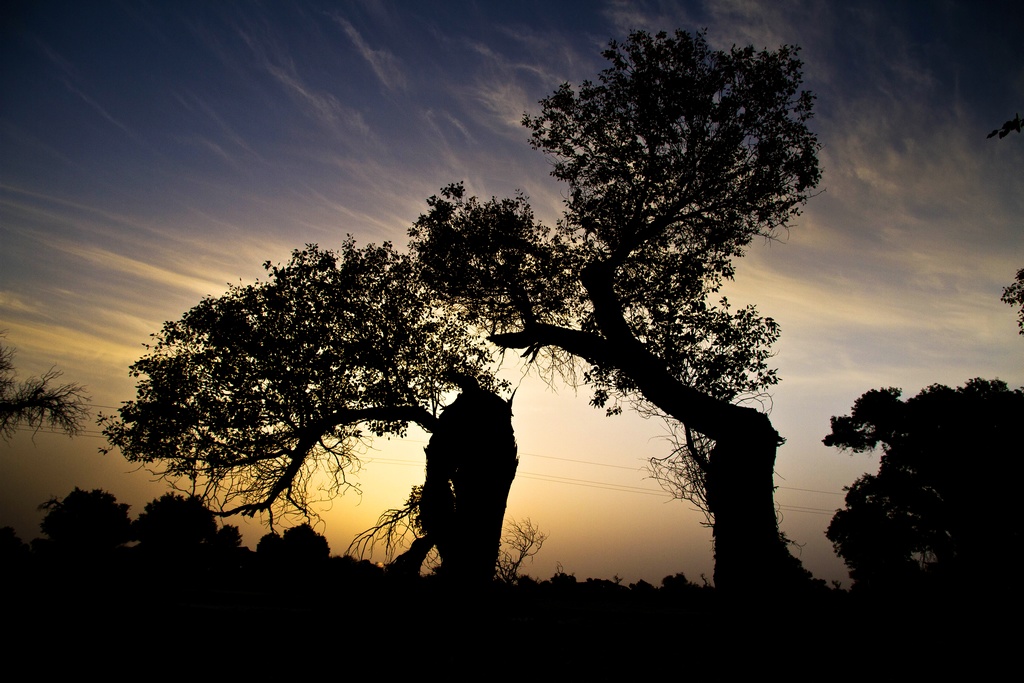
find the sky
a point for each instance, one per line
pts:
(154, 153)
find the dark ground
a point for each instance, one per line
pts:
(312, 621)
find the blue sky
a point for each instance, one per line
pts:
(152, 153)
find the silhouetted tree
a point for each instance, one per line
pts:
(14, 553)
(942, 507)
(37, 401)
(179, 535)
(174, 522)
(85, 523)
(304, 544)
(251, 393)
(269, 545)
(228, 536)
(1014, 295)
(675, 161)
(299, 546)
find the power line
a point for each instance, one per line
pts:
(554, 479)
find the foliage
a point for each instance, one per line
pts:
(1014, 295)
(86, 522)
(942, 506)
(252, 394)
(675, 161)
(36, 402)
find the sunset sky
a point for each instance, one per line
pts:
(152, 153)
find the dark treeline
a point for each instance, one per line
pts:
(174, 580)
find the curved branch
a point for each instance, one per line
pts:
(311, 435)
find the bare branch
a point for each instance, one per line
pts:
(38, 401)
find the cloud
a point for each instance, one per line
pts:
(345, 123)
(385, 65)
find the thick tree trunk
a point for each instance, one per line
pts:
(749, 551)
(471, 463)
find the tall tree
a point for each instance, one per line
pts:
(675, 160)
(252, 393)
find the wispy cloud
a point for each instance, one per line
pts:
(345, 123)
(386, 66)
(70, 74)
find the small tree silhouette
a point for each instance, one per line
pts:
(85, 523)
(173, 522)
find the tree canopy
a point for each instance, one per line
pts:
(86, 522)
(251, 394)
(675, 160)
(174, 522)
(942, 506)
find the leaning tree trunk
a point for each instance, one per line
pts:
(471, 463)
(749, 550)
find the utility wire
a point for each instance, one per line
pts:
(554, 479)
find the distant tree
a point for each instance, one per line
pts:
(13, 551)
(1014, 295)
(228, 536)
(251, 394)
(269, 545)
(174, 522)
(942, 508)
(305, 544)
(299, 545)
(38, 401)
(86, 522)
(675, 161)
